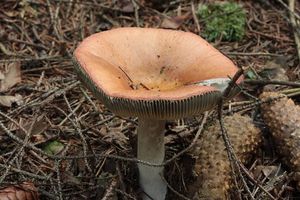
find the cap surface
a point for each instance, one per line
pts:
(150, 73)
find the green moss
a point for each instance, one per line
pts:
(223, 20)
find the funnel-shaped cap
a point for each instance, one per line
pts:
(150, 72)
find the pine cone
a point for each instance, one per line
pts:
(283, 118)
(24, 191)
(212, 165)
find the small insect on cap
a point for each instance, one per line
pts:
(151, 73)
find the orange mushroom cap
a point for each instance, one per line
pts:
(150, 72)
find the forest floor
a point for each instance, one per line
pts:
(44, 109)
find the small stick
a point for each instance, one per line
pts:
(78, 129)
(251, 54)
(110, 192)
(136, 12)
(29, 174)
(287, 7)
(230, 151)
(231, 154)
(173, 190)
(273, 82)
(195, 17)
(120, 176)
(33, 59)
(294, 24)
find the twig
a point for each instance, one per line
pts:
(272, 36)
(110, 192)
(57, 164)
(93, 5)
(16, 138)
(231, 154)
(273, 82)
(47, 97)
(33, 59)
(16, 155)
(287, 7)
(72, 112)
(120, 176)
(47, 68)
(29, 174)
(173, 190)
(78, 130)
(53, 19)
(136, 12)
(255, 181)
(7, 52)
(69, 8)
(126, 74)
(195, 17)
(230, 151)
(125, 194)
(251, 54)
(29, 43)
(294, 24)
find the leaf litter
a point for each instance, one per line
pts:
(77, 122)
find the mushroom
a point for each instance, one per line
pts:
(155, 75)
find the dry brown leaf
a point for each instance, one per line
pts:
(267, 171)
(7, 101)
(116, 136)
(274, 70)
(24, 191)
(10, 75)
(174, 22)
(170, 23)
(38, 126)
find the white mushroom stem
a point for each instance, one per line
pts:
(151, 148)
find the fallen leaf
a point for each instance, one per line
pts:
(128, 8)
(115, 135)
(274, 69)
(36, 127)
(24, 191)
(10, 75)
(69, 178)
(174, 22)
(170, 23)
(267, 171)
(125, 6)
(7, 101)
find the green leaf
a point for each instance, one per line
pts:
(251, 75)
(53, 147)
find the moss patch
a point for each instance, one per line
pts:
(225, 21)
